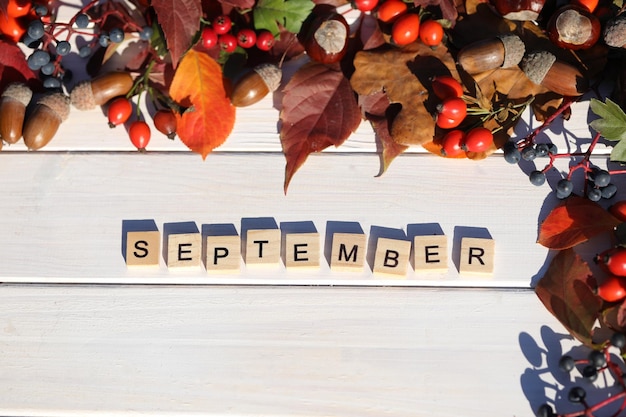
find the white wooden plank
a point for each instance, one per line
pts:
(297, 351)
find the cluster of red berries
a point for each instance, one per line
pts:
(221, 32)
(451, 112)
(406, 24)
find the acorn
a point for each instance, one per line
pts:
(327, 40)
(523, 10)
(503, 51)
(615, 32)
(573, 27)
(13, 104)
(89, 94)
(253, 86)
(42, 124)
(542, 68)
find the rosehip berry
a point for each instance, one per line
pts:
(612, 289)
(246, 38)
(222, 24)
(479, 139)
(446, 86)
(165, 122)
(228, 42)
(618, 210)
(446, 122)
(431, 33)
(265, 40)
(453, 108)
(391, 9)
(405, 29)
(139, 134)
(451, 143)
(209, 38)
(119, 111)
(615, 261)
(365, 5)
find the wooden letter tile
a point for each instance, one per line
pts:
(392, 256)
(477, 256)
(260, 241)
(302, 250)
(430, 253)
(222, 248)
(348, 252)
(182, 245)
(142, 248)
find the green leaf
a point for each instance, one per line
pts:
(290, 14)
(612, 119)
(618, 154)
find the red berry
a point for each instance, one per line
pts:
(165, 122)
(453, 108)
(431, 33)
(19, 8)
(209, 38)
(222, 24)
(391, 9)
(446, 86)
(615, 261)
(119, 111)
(139, 134)
(265, 40)
(451, 143)
(365, 5)
(246, 38)
(446, 122)
(479, 139)
(12, 27)
(618, 210)
(612, 289)
(228, 42)
(405, 29)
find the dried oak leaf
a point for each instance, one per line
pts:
(210, 117)
(319, 109)
(574, 221)
(180, 21)
(565, 291)
(405, 77)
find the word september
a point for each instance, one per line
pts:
(297, 245)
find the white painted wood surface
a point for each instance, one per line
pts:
(76, 338)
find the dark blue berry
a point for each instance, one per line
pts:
(537, 178)
(511, 153)
(84, 51)
(597, 359)
(529, 153)
(40, 10)
(146, 33)
(618, 340)
(609, 191)
(63, 48)
(600, 177)
(566, 363)
(594, 194)
(116, 35)
(82, 21)
(104, 40)
(576, 394)
(542, 149)
(38, 59)
(35, 29)
(590, 372)
(52, 82)
(545, 410)
(30, 42)
(552, 149)
(564, 187)
(48, 69)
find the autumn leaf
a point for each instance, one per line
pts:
(210, 117)
(269, 14)
(319, 109)
(574, 221)
(404, 75)
(14, 67)
(389, 148)
(180, 21)
(565, 292)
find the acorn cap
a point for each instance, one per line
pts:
(82, 96)
(615, 32)
(271, 74)
(58, 103)
(514, 50)
(537, 64)
(18, 92)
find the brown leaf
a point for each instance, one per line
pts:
(319, 109)
(389, 148)
(180, 20)
(575, 221)
(565, 292)
(210, 117)
(404, 75)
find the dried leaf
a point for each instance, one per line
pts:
(198, 85)
(565, 292)
(13, 66)
(390, 149)
(404, 75)
(180, 20)
(575, 221)
(319, 109)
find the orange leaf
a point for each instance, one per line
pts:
(210, 117)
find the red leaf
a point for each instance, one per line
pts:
(13, 66)
(198, 84)
(180, 20)
(575, 221)
(390, 149)
(319, 109)
(565, 292)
